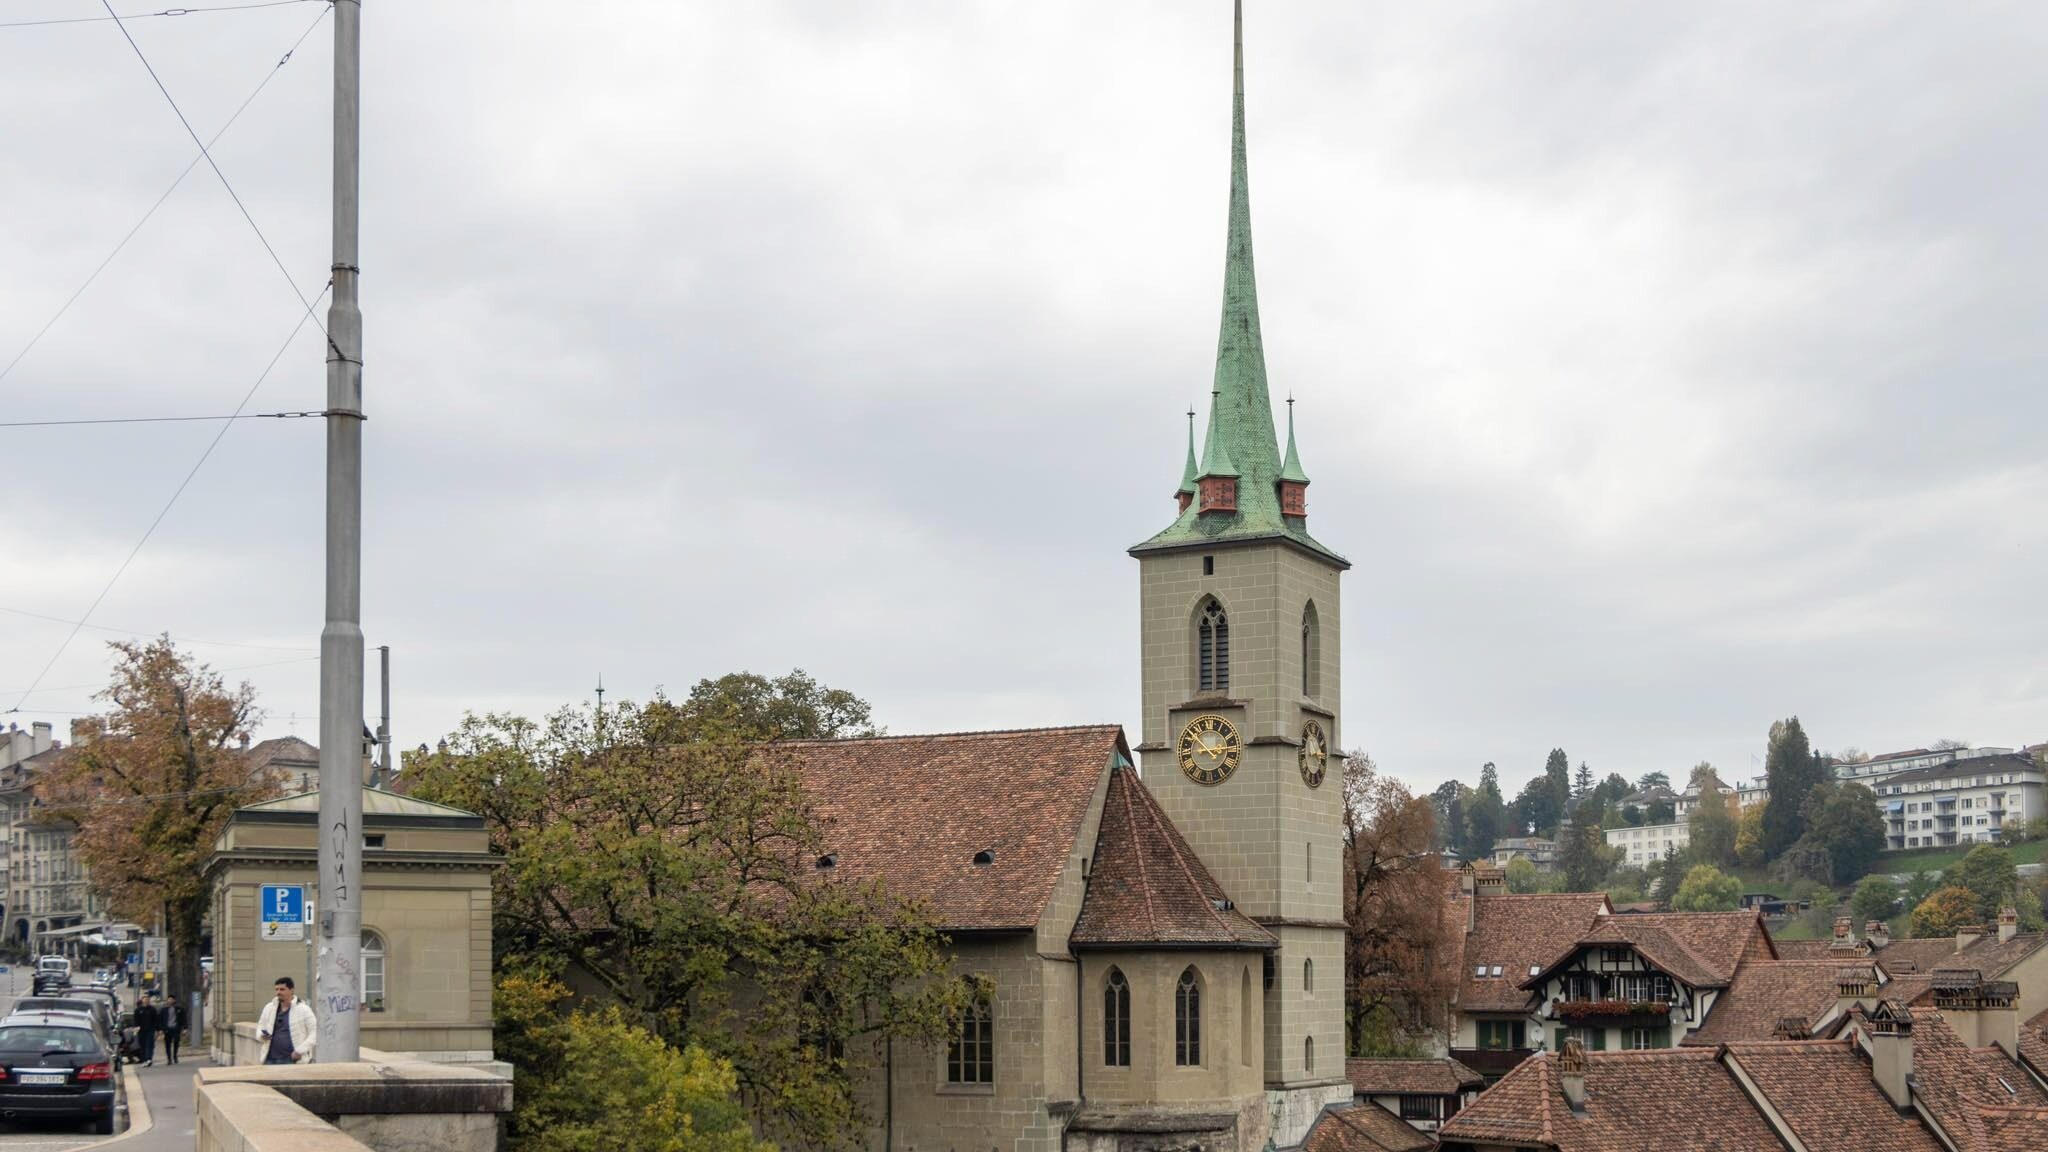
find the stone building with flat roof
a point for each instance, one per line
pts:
(425, 986)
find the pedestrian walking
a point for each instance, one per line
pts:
(148, 1018)
(172, 1021)
(286, 1026)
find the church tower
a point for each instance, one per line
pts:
(1240, 624)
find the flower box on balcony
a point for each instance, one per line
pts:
(1587, 1011)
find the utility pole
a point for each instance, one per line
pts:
(383, 776)
(336, 980)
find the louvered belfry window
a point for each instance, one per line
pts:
(1213, 649)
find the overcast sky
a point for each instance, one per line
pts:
(1663, 370)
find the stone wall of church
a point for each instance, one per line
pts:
(1231, 1031)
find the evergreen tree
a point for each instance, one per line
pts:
(1557, 770)
(1582, 784)
(1449, 800)
(1790, 771)
(1486, 813)
(1651, 780)
(1536, 807)
(1614, 788)
(1584, 857)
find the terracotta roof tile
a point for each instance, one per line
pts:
(1801, 949)
(1957, 1083)
(2015, 1129)
(1515, 933)
(913, 811)
(2034, 1043)
(1148, 887)
(1364, 1128)
(1675, 1098)
(1825, 1092)
(1763, 994)
(1440, 1077)
(1702, 949)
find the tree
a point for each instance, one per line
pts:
(1875, 898)
(1852, 755)
(1449, 800)
(1713, 828)
(1582, 783)
(1843, 819)
(1919, 886)
(669, 858)
(1807, 860)
(1626, 886)
(1949, 744)
(1749, 836)
(1791, 770)
(1704, 776)
(791, 707)
(1989, 875)
(1707, 889)
(1557, 771)
(1660, 812)
(1944, 911)
(1535, 807)
(1612, 789)
(151, 783)
(1584, 857)
(1393, 910)
(1650, 780)
(592, 1081)
(1485, 814)
(1524, 876)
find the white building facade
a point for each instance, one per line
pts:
(1971, 799)
(1650, 842)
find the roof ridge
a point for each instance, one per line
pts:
(1144, 877)
(888, 737)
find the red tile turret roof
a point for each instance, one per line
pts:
(1148, 887)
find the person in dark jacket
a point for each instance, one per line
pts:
(148, 1018)
(172, 1021)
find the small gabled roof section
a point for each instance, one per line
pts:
(1364, 1128)
(1442, 1076)
(1700, 949)
(1148, 888)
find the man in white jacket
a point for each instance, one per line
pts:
(286, 1027)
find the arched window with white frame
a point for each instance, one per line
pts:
(372, 964)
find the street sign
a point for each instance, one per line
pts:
(284, 912)
(153, 954)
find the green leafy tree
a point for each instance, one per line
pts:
(668, 858)
(1626, 886)
(1919, 886)
(790, 707)
(1584, 858)
(1805, 860)
(1843, 819)
(1944, 911)
(1707, 889)
(1749, 837)
(1612, 789)
(1791, 770)
(2027, 902)
(1875, 898)
(1660, 812)
(593, 1082)
(1989, 874)
(1536, 807)
(1486, 815)
(1449, 800)
(1526, 877)
(1712, 827)
(1649, 780)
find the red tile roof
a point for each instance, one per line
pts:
(1825, 1092)
(1763, 994)
(1439, 1077)
(1364, 1128)
(1957, 1083)
(1148, 887)
(1702, 949)
(1515, 933)
(2034, 1043)
(913, 811)
(1668, 1098)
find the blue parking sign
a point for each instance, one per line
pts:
(284, 912)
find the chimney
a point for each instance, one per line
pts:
(42, 741)
(2008, 923)
(1855, 984)
(1967, 935)
(1571, 1075)
(1489, 879)
(1982, 1012)
(1877, 932)
(1889, 1028)
(1845, 936)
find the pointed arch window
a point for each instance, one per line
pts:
(1244, 1016)
(1212, 648)
(1311, 649)
(371, 961)
(971, 1054)
(817, 1025)
(1308, 1053)
(1187, 1019)
(1116, 1020)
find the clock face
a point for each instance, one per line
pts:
(1315, 754)
(1208, 749)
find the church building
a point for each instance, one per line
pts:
(1160, 926)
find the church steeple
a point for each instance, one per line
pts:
(1242, 490)
(1293, 481)
(1192, 472)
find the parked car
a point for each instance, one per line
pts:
(104, 1016)
(105, 999)
(57, 1068)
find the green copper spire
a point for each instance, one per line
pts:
(1291, 469)
(1241, 442)
(1193, 471)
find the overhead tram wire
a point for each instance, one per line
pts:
(207, 154)
(206, 9)
(86, 618)
(157, 419)
(146, 216)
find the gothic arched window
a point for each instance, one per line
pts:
(1311, 649)
(1116, 1020)
(1212, 649)
(1187, 1019)
(971, 1053)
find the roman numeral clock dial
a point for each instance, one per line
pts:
(1208, 749)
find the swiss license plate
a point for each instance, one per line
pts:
(42, 1077)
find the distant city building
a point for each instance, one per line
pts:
(1753, 793)
(1964, 800)
(1535, 849)
(1880, 769)
(1650, 842)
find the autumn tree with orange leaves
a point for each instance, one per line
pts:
(1395, 897)
(150, 784)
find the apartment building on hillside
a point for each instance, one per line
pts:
(1964, 801)
(1650, 842)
